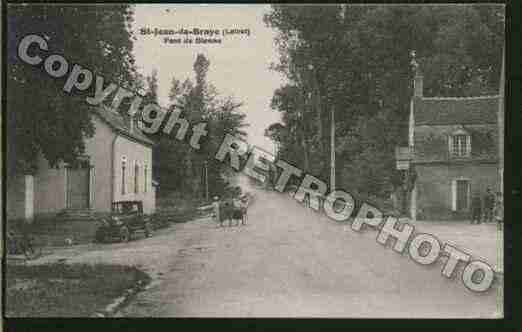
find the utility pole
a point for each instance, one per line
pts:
(501, 122)
(206, 180)
(332, 152)
(332, 132)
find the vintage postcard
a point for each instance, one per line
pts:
(328, 161)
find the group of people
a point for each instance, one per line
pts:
(230, 209)
(488, 208)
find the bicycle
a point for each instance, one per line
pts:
(22, 244)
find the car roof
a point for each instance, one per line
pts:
(126, 202)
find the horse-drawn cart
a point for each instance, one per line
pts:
(230, 210)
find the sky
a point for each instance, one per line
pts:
(239, 66)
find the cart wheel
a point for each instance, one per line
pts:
(124, 234)
(99, 237)
(31, 252)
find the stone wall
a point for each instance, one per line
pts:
(434, 192)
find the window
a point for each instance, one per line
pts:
(123, 166)
(136, 176)
(460, 144)
(145, 171)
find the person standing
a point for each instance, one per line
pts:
(243, 205)
(499, 210)
(489, 202)
(215, 207)
(476, 208)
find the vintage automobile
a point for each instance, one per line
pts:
(126, 218)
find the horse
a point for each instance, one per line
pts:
(240, 213)
(226, 212)
(230, 212)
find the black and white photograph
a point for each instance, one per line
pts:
(254, 160)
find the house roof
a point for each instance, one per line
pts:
(450, 111)
(118, 123)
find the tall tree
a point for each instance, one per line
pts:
(179, 166)
(152, 88)
(41, 117)
(355, 60)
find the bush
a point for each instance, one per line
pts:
(175, 207)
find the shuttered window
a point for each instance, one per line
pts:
(145, 171)
(136, 177)
(123, 167)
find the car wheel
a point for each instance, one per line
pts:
(148, 229)
(29, 252)
(124, 234)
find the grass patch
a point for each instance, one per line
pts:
(63, 290)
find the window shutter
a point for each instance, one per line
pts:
(91, 187)
(66, 181)
(123, 180)
(454, 195)
(136, 176)
(145, 171)
(450, 146)
(468, 148)
(468, 195)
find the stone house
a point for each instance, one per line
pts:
(454, 148)
(117, 165)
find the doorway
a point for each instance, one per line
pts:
(462, 195)
(78, 188)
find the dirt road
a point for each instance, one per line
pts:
(290, 261)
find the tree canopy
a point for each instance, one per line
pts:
(178, 166)
(356, 61)
(41, 117)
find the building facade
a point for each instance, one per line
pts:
(455, 152)
(117, 165)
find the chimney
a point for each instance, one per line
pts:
(417, 84)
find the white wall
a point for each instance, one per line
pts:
(133, 151)
(99, 149)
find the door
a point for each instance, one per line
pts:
(462, 195)
(78, 192)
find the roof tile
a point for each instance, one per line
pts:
(449, 111)
(119, 123)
